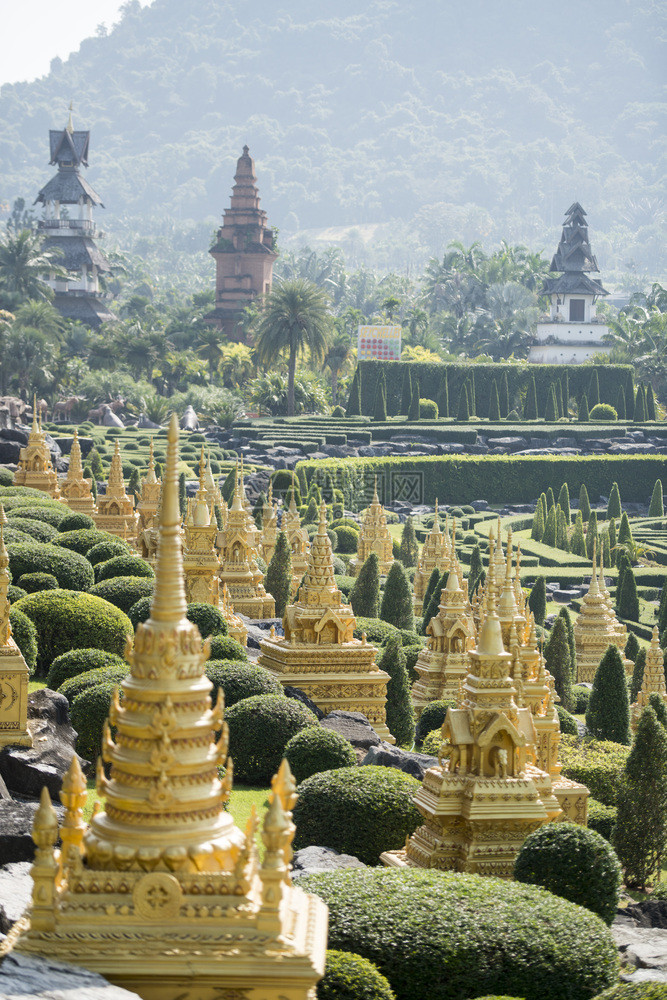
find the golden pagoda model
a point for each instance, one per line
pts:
(319, 653)
(434, 555)
(115, 510)
(269, 534)
(239, 571)
(74, 489)
(161, 892)
(653, 681)
(373, 537)
(213, 494)
(443, 665)
(35, 469)
(595, 630)
(200, 561)
(298, 541)
(14, 671)
(235, 626)
(486, 794)
(617, 627)
(149, 498)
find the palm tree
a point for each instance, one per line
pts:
(296, 317)
(336, 358)
(24, 263)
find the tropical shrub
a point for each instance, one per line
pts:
(240, 679)
(24, 635)
(32, 582)
(50, 513)
(80, 661)
(598, 764)
(316, 749)
(259, 729)
(140, 610)
(601, 818)
(71, 570)
(82, 540)
(15, 593)
(106, 550)
(125, 565)
(208, 619)
(432, 717)
(568, 724)
(399, 712)
(39, 531)
(351, 977)
(76, 522)
(113, 674)
(123, 591)
(88, 713)
(603, 411)
(348, 539)
(223, 647)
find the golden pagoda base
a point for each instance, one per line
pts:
(79, 505)
(572, 799)
(337, 677)
(121, 525)
(588, 661)
(440, 677)
(47, 482)
(253, 607)
(14, 676)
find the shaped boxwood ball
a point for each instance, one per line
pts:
(39, 531)
(445, 936)
(73, 687)
(24, 635)
(223, 647)
(123, 591)
(80, 540)
(71, 570)
(259, 730)
(351, 977)
(75, 522)
(239, 680)
(67, 620)
(575, 863)
(125, 565)
(33, 582)
(357, 810)
(80, 661)
(107, 550)
(140, 610)
(88, 713)
(208, 619)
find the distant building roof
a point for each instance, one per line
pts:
(67, 187)
(573, 283)
(69, 147)
(574, 258)
(88, 309)
(77, 251)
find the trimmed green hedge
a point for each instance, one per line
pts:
(112, 674)
(124, 565)
(106, 550)
(240, 679)
(32, 582)
(40, 531)
(208, 619)
(316, 749)
(598, 764)
(71, 570)
(223, 647)
(259, 729)
(82, 540)
(24, 634)
(48, 513)
(123, 591)
(351, 977)
(80, 661)
(444, 936)
(601, 818)
(88, 713)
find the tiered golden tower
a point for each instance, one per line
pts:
(161, 892)
(434, 555)
(373, 537)
(595, 629)
(149, 499)
(34, 468)
(74, 489)
(653, 681)
(14, 671)
(200, 560)
(298, 541)
(235, 626)
(319, 653)
(269, 536)
(239, 571)
(115, 510)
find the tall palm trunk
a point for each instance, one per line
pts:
(291, 371)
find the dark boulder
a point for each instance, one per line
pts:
(29, 977)
(386, 755)
(322, 859)
(299, 695)
(354, 727)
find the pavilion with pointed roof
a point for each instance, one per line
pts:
(244, 252)
(76, 491)
(35, 468)
(68, 227)
(115, 509)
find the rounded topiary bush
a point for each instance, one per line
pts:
(106, 550)
(428, 409)
(88, 713)
(24, 635)
(71, 570)
(377, 631)
(351, 977)
(51, 513)
(568, 724)
(432, 742)
(33, 582)
(445, 936)
(575, 863)
(357, 810)
(603, 411)
(13, 537)
(601, 818)
(73, 687)
(580, 698)
(259, 730)
(40, 531)
(316, 749)
(125, 565)
(208, 619)
(76, 522)
(432, 717)
(348, 539)
(82, 540)
(223, 647)
(80, 661)
(123, 591)
(240, 679)
(15, 593)
(67, 620)
(140, 611)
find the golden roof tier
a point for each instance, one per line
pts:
(486, 794)
(239, 571)
(213, 494)
(434, 555)
(319, 653)
(298, 541)
(14, 672)
(34, 468)
(595, 629)
(200, 559)
(653, 681)
(115, 509)
(74, 489)
(269, 533)
(149, 498)
(235, 626)
(161, 892)
(373, 537)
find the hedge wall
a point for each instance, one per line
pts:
(496, 478)
(611, 378)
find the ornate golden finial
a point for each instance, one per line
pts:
(375, 490)
(490, 635)
(73, 796)
(70, 124)
(44, 870)
(35, 427)
(169, 605)
(3, 516)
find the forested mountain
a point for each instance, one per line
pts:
(466, 118)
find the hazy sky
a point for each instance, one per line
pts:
(35, 31)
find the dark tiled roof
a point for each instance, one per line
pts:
(69, 146)
(87, 309)
(67, 187)
(574, 283)
(76, 251)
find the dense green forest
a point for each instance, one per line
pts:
(409, 123)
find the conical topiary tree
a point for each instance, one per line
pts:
(537, 529)
(257, 510)
(623, 563)
(476, 569)
(228, 487)
(591, 533)
(651, 413)
(551, 409)
(434, 603)
(551, 502)
(494, 403)
(631, 647)
(564, 503)
(463, 411)
(430, 587)
(620, 405)
(399, 712)
(562, 540)
(662, 609)
(612, 542)
(608, 712)
(354, 400)
(406, 391)
(584, 502)
(605, 546)
(656, 507)
(638, 674)
(558, 389)
(414, 403)
(537, 600)
(614, 502)
(578, 541)
(624, 531)
(530, 406)
(88, 474)
(365, 594)
(396, 606)
(134, 483)
(472, 395)
(549, 536)
(569, 629)
(566, 393)
(443, 398)
(583, 415)
(558, 662)
(504, 396)
(380, 401)
(182, 496)
(594, 390)
(640, 834)
(408, 551)
(627, 602)
(639, 415)
(278, 580)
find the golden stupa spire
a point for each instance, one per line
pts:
(150, 475)
(507, 606)
(5, 629)
(116, 483)
(375, 490)
(201, 515)
(75, 471)
(35, 424)
(319, 584)
(594, 588)
(490, 641)
(169, 605)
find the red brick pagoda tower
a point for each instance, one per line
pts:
(244, 252)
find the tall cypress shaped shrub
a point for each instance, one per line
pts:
(639, 415)
(631, 647)
(365, 594)
(396, 606)
(614, 502)
(549, 536)
(624, 531)
(504, 396)
(583, 415)
(605, 546)
(530, 407)
(551, 501)
(662, 609)
(408, 549)
(494, 404)
(656, 507)
(399, 712)
(562, 540)
(638, 674)
(578, 541)
(463, 411)
(558, 388)
(566, 394)
(354, 399)
(608, 712)
(584, 502)
(627, 602)
(569, 629)
(443, 398)
(537, 600)
(413, 415)
(434, 603)
(278, 580)
(594, 390)
(620, 405)
(612, 542)
(182, 498)
(650, 403)
(564, 502)
(558, 661)
(406, 391)
(623, 564)
(472, 394)
(537, 529)
(476, 569)
(591, 533)
(380, 402)
(430, 587)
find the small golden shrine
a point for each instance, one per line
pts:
(74, 489)
(653, 681)
(617, 627)
(434, 555)
(14, 672)
(235, 626)
(149, 498)
(239, 571)
(115, 510)
(213, 494)
(34, 468)
(443, 665)
(373, 537)
(319, 653)
(200, 560)
(269, 527)
(298, 540)
(161, 892)
(595, 629)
